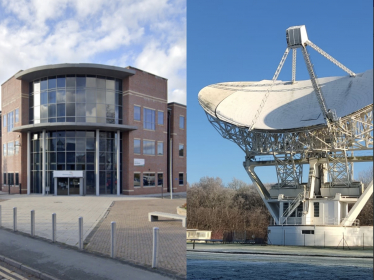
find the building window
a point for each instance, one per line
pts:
(137, 146)
(16, 175)
(149, 116)
(160, 179)
(181, 179)
(10, 148)
(160, 148)
(10, 179)
(160, 118)
(148, 147)
(10, 121)
(4, 178)
(4, 150)
(16, 116)
(16, 147)
(4, 120)
(307, 232)
(136, 180)
(137, 113)
(148, 179)
(181, 122)
(316, 209)
(181, 150)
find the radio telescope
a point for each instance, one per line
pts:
(326, 123)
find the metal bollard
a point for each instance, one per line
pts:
(32, 222)
(14, 218)
(80, 242)
(113, 240)
(0, 215)
(155, 247)
(54, 227)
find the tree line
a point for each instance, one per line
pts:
(237, 206)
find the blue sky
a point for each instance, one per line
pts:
(147, 34)
(244, 41)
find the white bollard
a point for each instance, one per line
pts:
(32, 222)
(80, 242)
(155, 247)
(14, 218)
(113, 240)
(54, 227)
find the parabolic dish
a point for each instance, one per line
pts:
(288, 106)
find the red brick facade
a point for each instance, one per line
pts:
(142, 89)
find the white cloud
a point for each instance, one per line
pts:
(148, 34)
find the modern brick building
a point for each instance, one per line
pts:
(91, 129)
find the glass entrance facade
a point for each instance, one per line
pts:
(68, 186)
(75, 150)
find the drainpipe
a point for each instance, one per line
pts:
(169, 156)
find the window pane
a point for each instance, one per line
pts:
(136, 146)
(91, 82)
(60, 110)
(181, 150)
(70, 82)
(160, 118)
(91, 96)
(181, 179)
(70, 109)
(91, 110)
(110, 84)
(44, 98)
(60, 96)
(148, 179)
(101, 82)
(148, 147)
(110, 97)
(100, 96)
(52, 110)
(70, 157)
(61, 157)
(81, 81)
(81, 109)
(100, 110)
(136, 179)
(70, 144)
(160, 148)
(61, 81)
(181, 122)
(70, 95)
(51, 82)
(16, 117)
(43, 84)
(149, 119)
(80, 96)
(43, 111)
(160, 179)
(137, 113)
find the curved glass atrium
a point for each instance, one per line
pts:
(76, 98)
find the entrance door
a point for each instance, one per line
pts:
(73, 185)
(67, 186)
(62, 186)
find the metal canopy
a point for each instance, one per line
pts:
(74, 68)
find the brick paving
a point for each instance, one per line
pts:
(134, 234)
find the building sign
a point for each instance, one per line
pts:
(68, 174)
(139, 162)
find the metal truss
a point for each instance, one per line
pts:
(339, 169)
(289, 174)
(351, 133)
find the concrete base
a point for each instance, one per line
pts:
(324, 236)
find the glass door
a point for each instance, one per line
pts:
(73, 186)
(62, 186)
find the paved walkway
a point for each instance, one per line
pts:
(134, 234)
(66, 263)
(67, 208)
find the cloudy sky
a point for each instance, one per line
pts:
(146, 34)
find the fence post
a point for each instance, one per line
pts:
(54, 227)
(155, 247)
(113, 240)
(32, 222)
(80, 242)
(14, 218)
